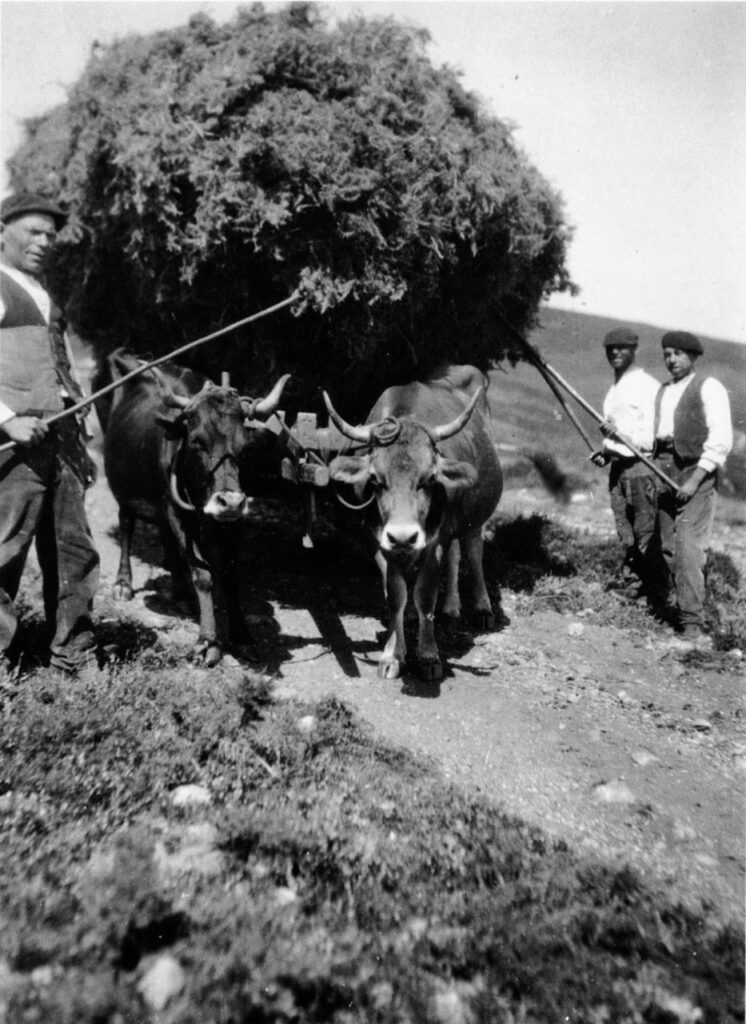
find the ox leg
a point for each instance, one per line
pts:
(207, 646)
(395, 650)
(429, 664)
(473, 545)
(122, 589)
(181, 592)
(225, 545)
(452, 601)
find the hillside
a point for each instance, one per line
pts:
(527, 415)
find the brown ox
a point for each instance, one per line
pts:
(176, 447)
(436, 478)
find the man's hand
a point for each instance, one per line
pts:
(25, 430)
(599, 458)
(688, 488)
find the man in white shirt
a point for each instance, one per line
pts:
(42, 478)
(629, 407)
(693, 437)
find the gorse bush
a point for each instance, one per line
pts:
(212, 170)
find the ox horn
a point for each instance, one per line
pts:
(449, 429)
(264, 407)
(362, 434)
(177, 498)
(168, 397)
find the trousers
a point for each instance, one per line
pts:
(685, 534)
(42, 493)
(633, 495)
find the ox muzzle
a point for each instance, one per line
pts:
(227, 506)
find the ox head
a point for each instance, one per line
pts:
(412, 480)
(211, 440)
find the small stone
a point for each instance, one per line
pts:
(42, 976)
(162, 982)
(736, 653)
(196, 854)
(285, 896)
(683, 833)
(706, 860)
(680, 1009)
(575, 629)
(701, 724)
(450, 1008)
(382, 995)
(190, 796)
(306, 724)
(643, 758)
(615, 792)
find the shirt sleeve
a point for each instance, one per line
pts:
(631, 404)
(719, 439)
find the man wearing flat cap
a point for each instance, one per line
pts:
(44, 475)
(693, 436)
(629, 407)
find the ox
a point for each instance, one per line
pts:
(436, 478)
(175, 446)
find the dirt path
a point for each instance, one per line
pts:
(601, 736)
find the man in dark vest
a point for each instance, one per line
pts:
(43, 478)
(693, 436)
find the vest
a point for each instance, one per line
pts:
(689, 423)
(34, 367)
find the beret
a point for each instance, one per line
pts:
(684, 341)
(620, 336)
(21, 203)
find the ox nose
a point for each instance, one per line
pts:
(227, 505)
(402, 538)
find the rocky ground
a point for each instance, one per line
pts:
(603, 736)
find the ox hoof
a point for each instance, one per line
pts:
(483, 621)
(122, 591)
(430, 669)
(212, 656)
(208, 653)
(389, 669)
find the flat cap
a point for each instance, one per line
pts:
(684, 341)
(621, 336)
(21, 203)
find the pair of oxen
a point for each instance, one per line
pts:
(179, 450)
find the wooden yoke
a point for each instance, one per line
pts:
(310, 450)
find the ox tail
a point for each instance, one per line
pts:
(110, 369)
(554, 478)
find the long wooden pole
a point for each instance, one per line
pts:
(71, 410)
(561, 399)
(543, 366)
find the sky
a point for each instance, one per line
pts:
(634, 111)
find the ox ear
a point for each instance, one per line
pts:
(172, 426)
(455, 475)
(350, 469)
